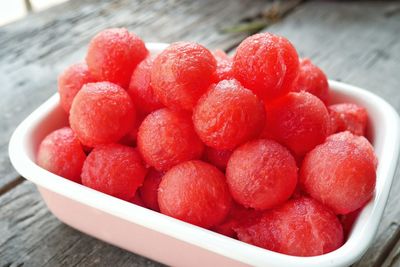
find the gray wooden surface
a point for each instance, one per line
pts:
(355, 42)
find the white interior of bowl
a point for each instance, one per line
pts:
(384, 133)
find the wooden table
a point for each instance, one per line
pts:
(355, 42)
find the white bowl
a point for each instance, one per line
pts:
(177, 243)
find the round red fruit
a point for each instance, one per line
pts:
(348, 117)
(312, 80)
(166, 138)
(266, 63)
(228, 115)
(140, 88)
(340, 173)
(149, 189)
(195, 192)
(300, 227)
(113, 54)
(261, 174)
(61, 153)
(114, 169)
(71, 81)
(101, 113)
(181, 74)
(300, 121)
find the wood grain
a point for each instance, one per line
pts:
(35, 50)
(357, 44)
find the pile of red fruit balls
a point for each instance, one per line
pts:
(247, 146)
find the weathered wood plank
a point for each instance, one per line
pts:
(34, 50)
(358, 44)
(31, 236)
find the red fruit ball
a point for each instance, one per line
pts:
(140, 89)
(261, 174)
(101, 113)
(300, 121)
(340, 173)
(218, 158)
(224, 65)
(61, 153)
(181, 74)
(238, 216)
(195, 192)
(266, 63)
(348, 117)
(115, 170)
(312, 80)
(300, 227)
(167, 138)
(71, 81)
(149, 189)
(228, 115)
(113, 54)
(348, 221)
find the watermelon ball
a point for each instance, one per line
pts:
(61, 153)
(224, 65)
(267, 64)
(348, 117)
(140, 89)
(101, 113)
(300, 227)
(261, 174)
(149, 190)
(312, 80)
(195, 192)
(71, 81)
(130, 139)
(137, 200)
(115, 170)
(348, 221)
(228, 115)
(218, 158)
(113, 54)
(167, 138)
(238, 216)
(181, 74)
(299, 121)
(340, 173)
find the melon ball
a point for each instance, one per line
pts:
(61, 153)
(224, 65)
(348, 117)
(218, 158)
(101, 113)
(113, 54)
(267, 64)
(340, 173)
(261, 174)
(149, 189)
(195, 192)
(300, 121)
(166, 138)
(313, 80)
(228, 115)
(71, 81)
(181, 74)
(140, 88)
(115, 170)
(300, 227)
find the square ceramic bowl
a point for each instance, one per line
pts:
(177, 243)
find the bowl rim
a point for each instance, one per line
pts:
(359, 241)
